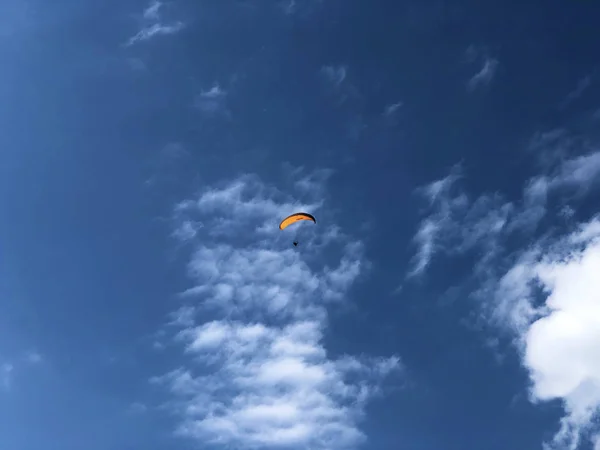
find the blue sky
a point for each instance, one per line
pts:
(447, 297)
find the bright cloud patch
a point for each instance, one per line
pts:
(258, 374)
(547, 293)
(562, 347)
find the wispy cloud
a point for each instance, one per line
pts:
(136, 64)
(558, 334)
(212, 102)
(310, 183)
(6, 375)
(455, 224)
(347, 98)
(300, 10)
(392, 114)
(288, 7)
(390, 110)
(442, 205)
(152, 11)
(582, 85)
(545, 293)
(138, 408)
(485, 74)
(426, 241)
(153, 30)
(174, 151)
(258, 374)
(154, 25)
(335, 74)
(339, 84)
(550, 147)
(10, 367)
(476, 54)
(33, 357)
(166, 164)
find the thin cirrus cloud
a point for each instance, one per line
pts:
(485, 74)
(212, 102)
(257, 374)
(455, 223)
(153, 10)
(33, 357)
(538, 285)
(6, 375)
(154, 25)
(153, 30)
(582, 85)
(335, 74)
(340, 85)
(336, 78)
(390, 110)
(347, 98)
(8, 369)
(288, 7)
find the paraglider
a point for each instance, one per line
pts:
(296, 217)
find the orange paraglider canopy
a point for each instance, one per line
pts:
(295, 218)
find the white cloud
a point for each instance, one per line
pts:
(550, 147)
(258, 373)
(184, 316)
(391, 114)
(152, 11)
(454, 224)
(439, 188)
(426, 241)
(551, 299)
(187, 230)
(390, 110)
(153, 30)
(580, 173)
(274, 387)
(212, 101)
(546, 295)
(485, 74)
(154, 25)
(426, 237)
(243, 208)
(345, 93)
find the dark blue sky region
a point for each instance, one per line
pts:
(447, 296)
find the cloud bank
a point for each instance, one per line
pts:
(256, 373)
